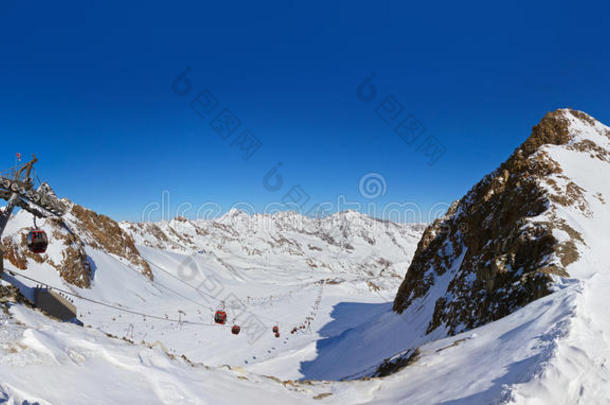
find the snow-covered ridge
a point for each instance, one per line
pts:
(344, 242)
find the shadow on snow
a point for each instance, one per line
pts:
(347, 316)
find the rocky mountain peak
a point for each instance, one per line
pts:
(505, 242)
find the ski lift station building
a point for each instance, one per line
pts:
(54, 304)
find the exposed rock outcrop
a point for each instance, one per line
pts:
(103, 233)
(68, 238)
(497, 248)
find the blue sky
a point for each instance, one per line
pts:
(87, 87)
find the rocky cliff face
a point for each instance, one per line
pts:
(69, 238)
(503, 244)
(103, 233)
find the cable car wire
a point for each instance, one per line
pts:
(220, 301)
(182, 281)
(164, 286)
(108, 305)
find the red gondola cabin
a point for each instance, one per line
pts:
(220, 317)
(276, 329)
(235, 330)
(37, 241)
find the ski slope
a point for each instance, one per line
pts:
(555, 350)
(530, 356)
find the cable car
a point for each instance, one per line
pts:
(277, 334)
(220, 317)
(276, 329)
(235, 329)
(37, 241)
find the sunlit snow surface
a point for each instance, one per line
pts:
(553, 351)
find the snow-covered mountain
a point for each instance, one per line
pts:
(503, 301)
(344, 243)
(285, 270)
(519, 232)
(527, 248)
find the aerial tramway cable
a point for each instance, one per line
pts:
(164, 286)
(182, 281)
(108, 305)
(220, 301)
